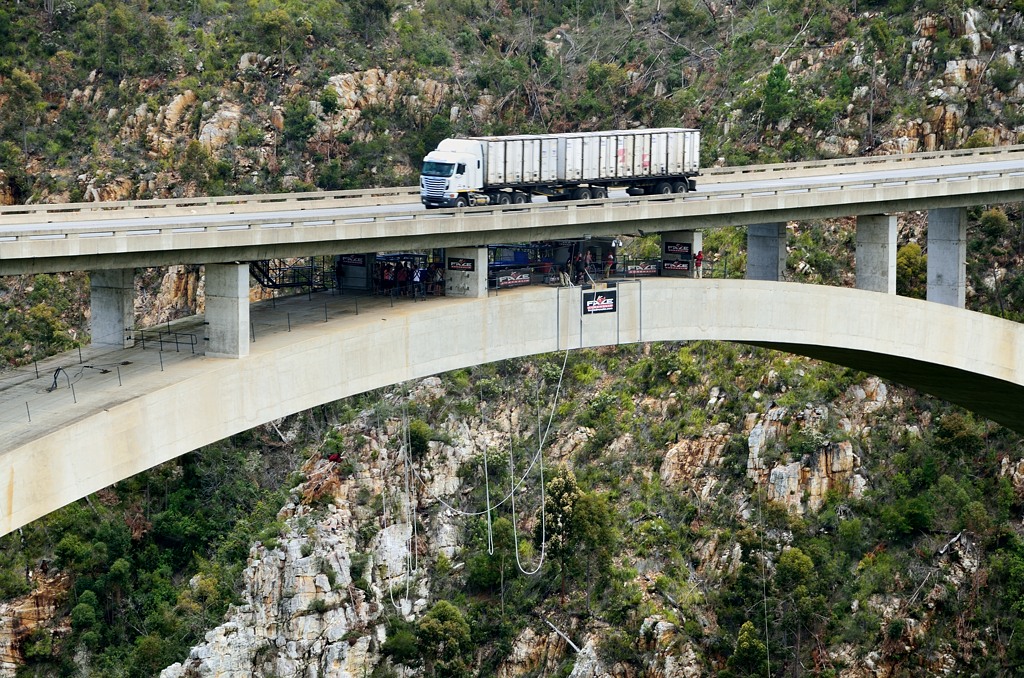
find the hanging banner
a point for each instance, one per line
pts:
(638, 270)
(461, 264)
(512, 278)
(678, 248)
(602, 301)
(678, 266)
(353, 259)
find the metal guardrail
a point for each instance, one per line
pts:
(208, 205)
(419, 217)
(847, 165)
(398, 195)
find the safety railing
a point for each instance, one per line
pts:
(200, 206)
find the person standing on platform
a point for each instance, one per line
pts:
(609, 264)
(698, 272)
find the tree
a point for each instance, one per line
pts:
(777, 100)
(994, 223)
(911, 271)
(598, 538)
(561, 527)
(279, 29)
(299, 121)
(444, 639)
(750, 657)
(24, 102)
(369, 18)
(487, 571)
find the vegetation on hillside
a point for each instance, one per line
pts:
(155, 561)
(763, 81)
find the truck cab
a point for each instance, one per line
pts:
(452, 175)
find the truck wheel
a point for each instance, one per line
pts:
(520, 198)
(460, 202)
(680, 187)
(662, 188)
(504, 198)
(581, 194)
(600, 192)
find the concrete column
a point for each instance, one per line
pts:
(112, 300)
(876, 253)
(766, 251)
(947, 256)
(465, 272)
(227, 310)
(678, 249)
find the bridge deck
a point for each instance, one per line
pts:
(106, 430)
(97, 378)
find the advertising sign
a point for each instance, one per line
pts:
(677, 248)
(353, 259)
(638, 270)
(513, 279)
(676, 266)
(461, 264)
(600, 301)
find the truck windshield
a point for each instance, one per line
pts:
(437, 169)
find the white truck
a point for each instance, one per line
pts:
(575, 166)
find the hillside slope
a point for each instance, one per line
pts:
(714, 509)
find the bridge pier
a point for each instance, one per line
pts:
(947, 256)
(111, 303)
(466, 272)
(766, 251)
(876, 253)
(227, 310)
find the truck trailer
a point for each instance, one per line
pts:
(576, 166)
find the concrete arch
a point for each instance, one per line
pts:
(968, 358)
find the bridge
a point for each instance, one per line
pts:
(64, 440)
(151, 407)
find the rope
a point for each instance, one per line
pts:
(487, 495)
(764, 588)
(543, 517)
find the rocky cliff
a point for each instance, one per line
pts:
(316, 602)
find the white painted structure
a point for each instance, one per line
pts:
(111, 430)
(74, 448)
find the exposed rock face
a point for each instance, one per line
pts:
(20, 617)
(169, 293)
(222, 127)
(162, 129)
(6, 190)
(687, 461)
(801, 484)
(531, 652)
(315, 603)
(361, 90)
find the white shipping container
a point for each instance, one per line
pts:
(531, 160)
(675, 152)
(624, 167)
(591, 168)
(514, 161)
(570, 158)
(548, 159)
(590, 156)
(494, 162)
(642, 156)
(692, 151)
(606, 161)
(659, 153)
